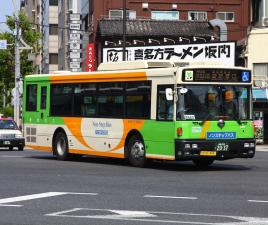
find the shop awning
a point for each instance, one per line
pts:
(260, 94)
(154, 28)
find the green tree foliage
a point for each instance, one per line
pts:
(7, 57)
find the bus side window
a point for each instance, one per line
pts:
(43, 98)
(31, 97)
(164, 107)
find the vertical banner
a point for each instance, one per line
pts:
(90, 57)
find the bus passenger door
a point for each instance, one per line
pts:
(161, 134)
(43, 132)
(43, 111)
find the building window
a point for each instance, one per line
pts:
(53, 29)
(53, 58)
(197, 15)
(260, 69)
(165, 15)
(130, 14)
(226, 16)
(53, 2)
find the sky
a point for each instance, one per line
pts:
(6, 8)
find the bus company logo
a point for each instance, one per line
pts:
(189, 75)
(221, 135)
(101, 132)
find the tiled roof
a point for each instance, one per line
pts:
(154, 28)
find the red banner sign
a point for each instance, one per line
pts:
(90, 57)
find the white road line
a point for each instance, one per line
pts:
(10, 205)
(41, 195)
(12, 156)
(77, 193)
(159, 196)
(159, 217)
(261, 201)
(30, 197)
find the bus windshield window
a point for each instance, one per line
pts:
(214, 102)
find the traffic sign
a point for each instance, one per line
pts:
(75, 55)
(75, 45)
(74, 26)
(75, 65)
(75, 16)
(3, 44)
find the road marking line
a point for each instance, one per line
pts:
(159, 196)
(12, 156)
(77, 193)
(30, 197)
(10, 205)
(155, 217)
(261, 201)
(41, 195)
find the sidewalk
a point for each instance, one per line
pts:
(262, 148)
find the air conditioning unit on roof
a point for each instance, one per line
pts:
(264, 21)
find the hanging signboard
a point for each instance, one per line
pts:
(221, 52)
(90, 57)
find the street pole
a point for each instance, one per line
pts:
(124, 30)
(17, 99)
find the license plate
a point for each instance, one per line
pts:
(208, 153)
(6, 142)
(222, 147)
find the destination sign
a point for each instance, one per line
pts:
(216, 75)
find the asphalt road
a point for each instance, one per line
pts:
(36, 189)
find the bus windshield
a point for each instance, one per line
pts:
(210, 102)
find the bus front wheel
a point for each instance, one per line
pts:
(61, 148)
(136, 152)
(203, 163)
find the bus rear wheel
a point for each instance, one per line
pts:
(203, 163)
(136, 152)
(61, 149)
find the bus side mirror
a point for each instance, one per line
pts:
(183, 90)
(169, 94)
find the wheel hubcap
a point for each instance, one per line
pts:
(61, 146)
(137, 151)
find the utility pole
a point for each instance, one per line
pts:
(17, 97)
(124, 29)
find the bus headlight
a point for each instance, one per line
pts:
(252, 145)
(246, 145)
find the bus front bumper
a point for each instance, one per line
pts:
(218, 149)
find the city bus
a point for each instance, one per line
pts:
(141, 111)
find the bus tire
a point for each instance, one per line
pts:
(20, 148)
(136, 151)
(61, 148)
(203, 163)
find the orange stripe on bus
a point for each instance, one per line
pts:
(74, 125)
(40, 148)
(161, 157)
(205, 129)
(105, 77)
(95, 153)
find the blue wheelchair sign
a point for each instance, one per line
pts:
(245, 76)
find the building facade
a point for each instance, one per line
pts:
(44, 16)
(33, 10)
(234, 13)
(257, 61)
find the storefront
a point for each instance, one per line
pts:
(260, 115)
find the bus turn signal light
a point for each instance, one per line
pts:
(179, 131)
